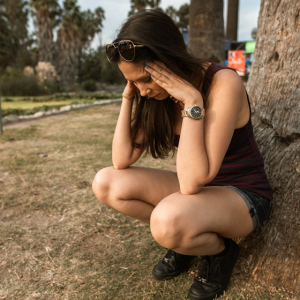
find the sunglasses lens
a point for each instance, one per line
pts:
(126, 49)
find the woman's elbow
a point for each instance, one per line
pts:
(120, 166)
(190, 189)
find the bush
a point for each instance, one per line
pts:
(15, 83)
(90, 85)
(20, 86)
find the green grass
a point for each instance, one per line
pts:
(58, 242)
(31, 105)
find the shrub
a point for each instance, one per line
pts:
(90, 85)
(20, 86)
(15, 83)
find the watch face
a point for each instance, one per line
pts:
(196, 112)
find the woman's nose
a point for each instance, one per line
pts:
(144, 91)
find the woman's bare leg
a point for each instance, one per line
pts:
(134, 191)
(196, 224)
(187, 224)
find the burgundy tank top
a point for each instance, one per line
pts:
(243, 165)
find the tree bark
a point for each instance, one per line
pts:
(272, 253)
(232, 20)
(206, 34)
(45, 39)
(68, 42)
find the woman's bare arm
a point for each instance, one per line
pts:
(123, 153)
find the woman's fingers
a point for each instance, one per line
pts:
(163, 67)
(158, 73)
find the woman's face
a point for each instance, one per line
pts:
(137, 74)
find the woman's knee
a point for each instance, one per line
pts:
(102, 184)
(167, 226)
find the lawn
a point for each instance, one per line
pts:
(58, 242)
(31, 105)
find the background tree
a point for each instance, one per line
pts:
(92, 24)
(180, 16)
(74, 36)
(206, 29)
(18, 12)
(138, 5)
(183, 16)
(68, 42)
(272, 254)
(91, 65)
(232, 20)
(171, 12)
(253, 33)
(14, 39)
(8, 41)
(46, 17)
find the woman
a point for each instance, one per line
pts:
(220, 190)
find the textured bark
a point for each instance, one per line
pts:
(44, 24)
(232, 20)
(272, 253)
(206, 34)
(68, 42)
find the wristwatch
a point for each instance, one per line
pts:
(194, 112)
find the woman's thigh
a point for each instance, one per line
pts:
(138, 183)
(214, 209)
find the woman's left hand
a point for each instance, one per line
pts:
(173, 84)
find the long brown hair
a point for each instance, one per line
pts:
(164, 42)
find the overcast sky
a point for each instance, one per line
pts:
(116, 12)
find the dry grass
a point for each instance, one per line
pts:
(58, 242)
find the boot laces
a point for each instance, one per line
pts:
(205, 271)
(170, 255)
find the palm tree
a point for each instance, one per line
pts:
(206, 29)
(76, 32)
(13, 31)
(18, 12)
(183, 16)
(232, 20)
(92, 24)
(68, 41)
(154, 4)
(7, 39)
(46, 18)
(138, 5)
(171, 12)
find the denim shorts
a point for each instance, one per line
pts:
(259, 206)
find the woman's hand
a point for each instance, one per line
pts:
(173, 84)
(130, 91)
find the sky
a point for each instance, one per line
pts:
(116, 12)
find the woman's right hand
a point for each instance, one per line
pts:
(130, 91)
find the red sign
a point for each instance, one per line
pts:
(237, 61)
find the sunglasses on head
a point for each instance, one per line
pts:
(125, 48)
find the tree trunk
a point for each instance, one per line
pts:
(206, 34)
(68, 44)
(45, 41)
(272, 253)
(232, 20)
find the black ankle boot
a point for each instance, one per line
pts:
(172, 265)
(214, 273)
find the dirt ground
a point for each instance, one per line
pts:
(58, 242)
